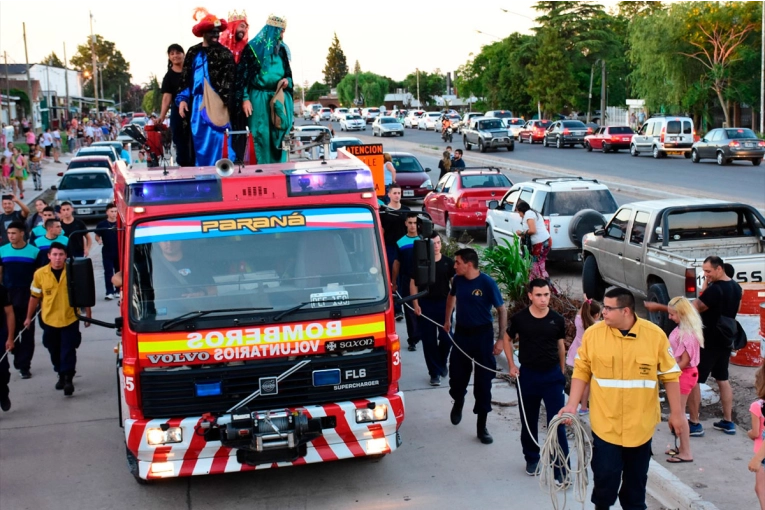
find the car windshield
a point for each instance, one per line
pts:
(740, 133)
(344, 143)
(326, 257)
(620, 130)
(543, 123)
(515, 122)
(88, 163)
(352, 116)
(702, 225)
(388, 120)
(484, 181)
(568, 203)
(573, 124)
(406, 164)
(490, 124)
(85, 181)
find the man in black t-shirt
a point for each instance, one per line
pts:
(171, 84)
(106, 236)
(540, 333)
(392, 219)
(79, 244)
(7, 327)
(435, 340)
(10, 215)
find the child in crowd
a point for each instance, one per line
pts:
(686, 341)
(588, 315)
(757, 464)
(5, 180)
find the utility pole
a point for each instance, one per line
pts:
(101, 79)
(66, 81)
(120, 96)
(33, 124)
(419, 105)
(7, 87)
(589, 100)
(93, 58)
(603, 93)
(47, 96)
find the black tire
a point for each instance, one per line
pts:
(721, 159)
(657, 154)
(490, 241)
(466, 144)
(687, 155)
(592, 283)
(451, 233)
(588, 146)
(481, 147)
(520, 139)
(584, 222)
(558, 143)
(606, 147)
(657, 293)
(695, 156)
(756, 161)
(633, 151)
(511, 148)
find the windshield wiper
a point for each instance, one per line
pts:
(186, 317)
(306, 303)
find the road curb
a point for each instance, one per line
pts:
(671, 492)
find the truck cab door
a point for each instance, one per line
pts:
(610, 259)
(634, 250)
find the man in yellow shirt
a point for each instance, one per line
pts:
(624, 358)
(61, 334)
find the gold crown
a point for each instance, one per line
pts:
(236, 16)
(276, 21)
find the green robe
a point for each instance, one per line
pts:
(268, 140)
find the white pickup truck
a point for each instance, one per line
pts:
(656, 248)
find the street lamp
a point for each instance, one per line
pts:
(490, 35)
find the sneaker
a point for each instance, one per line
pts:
(5, 403)
(726, 426)
(531, 468)
(560, 482)
(399, 317)
(696, 429)
(435, 381)
(412, 347)
(25, 374)
(109, 297)
(584, 412)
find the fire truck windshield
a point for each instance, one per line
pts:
(274, 260)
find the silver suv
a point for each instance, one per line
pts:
(662, 136)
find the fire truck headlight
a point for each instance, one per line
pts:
(158, 436)
(379, 413)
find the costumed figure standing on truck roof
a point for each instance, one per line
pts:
(206, 82)
(268, 94)
(236, 38)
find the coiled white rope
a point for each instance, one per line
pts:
(551, 452)
(18, 337)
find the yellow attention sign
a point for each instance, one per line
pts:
(372, 156)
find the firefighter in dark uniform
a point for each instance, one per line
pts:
(474, 293)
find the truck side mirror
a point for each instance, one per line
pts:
(424, 263)
(80, 282)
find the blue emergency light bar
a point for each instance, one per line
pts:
(179, 191)
(303, 183)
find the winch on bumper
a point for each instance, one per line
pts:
(264, 436)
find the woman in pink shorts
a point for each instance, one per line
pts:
(686, 341)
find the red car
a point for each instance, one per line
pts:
(411, 176)
(461, 199)
(610, 138)
(534, 131)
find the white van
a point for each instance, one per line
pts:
(310, 110)
(662, 136)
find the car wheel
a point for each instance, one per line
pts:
(633, 151)
(657, 293)
(588, 146)
(721, 160)
(373, 133)
(450, 232)
(695, 156)
(756, 161)
(490, 241)
(606, 148)
(481, 147)
(511, 148)
(402, 133)
(687, 155)
(592, 283)
(558, 143)
(466, 144)
(657, 154)
(520, 139)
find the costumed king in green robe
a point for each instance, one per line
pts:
(270, 121)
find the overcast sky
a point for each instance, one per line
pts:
(391, 38)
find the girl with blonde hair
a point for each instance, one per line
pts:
(757, 434)
(686, 341)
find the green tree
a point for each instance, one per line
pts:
(115, 69)
(316, 91)
(148, 101)
(52, 60)
(337, 66)
(372, 89)
(431, 84)
(551, 80)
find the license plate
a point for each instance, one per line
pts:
(408, 193)
(625, 139)
(322, 299)
(83, 210)
(749, 144)
(672, 138)
(675, 153)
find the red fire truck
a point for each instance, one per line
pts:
(257, 325)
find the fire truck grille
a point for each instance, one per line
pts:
(171, 393)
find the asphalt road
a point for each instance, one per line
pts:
(739, 181)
